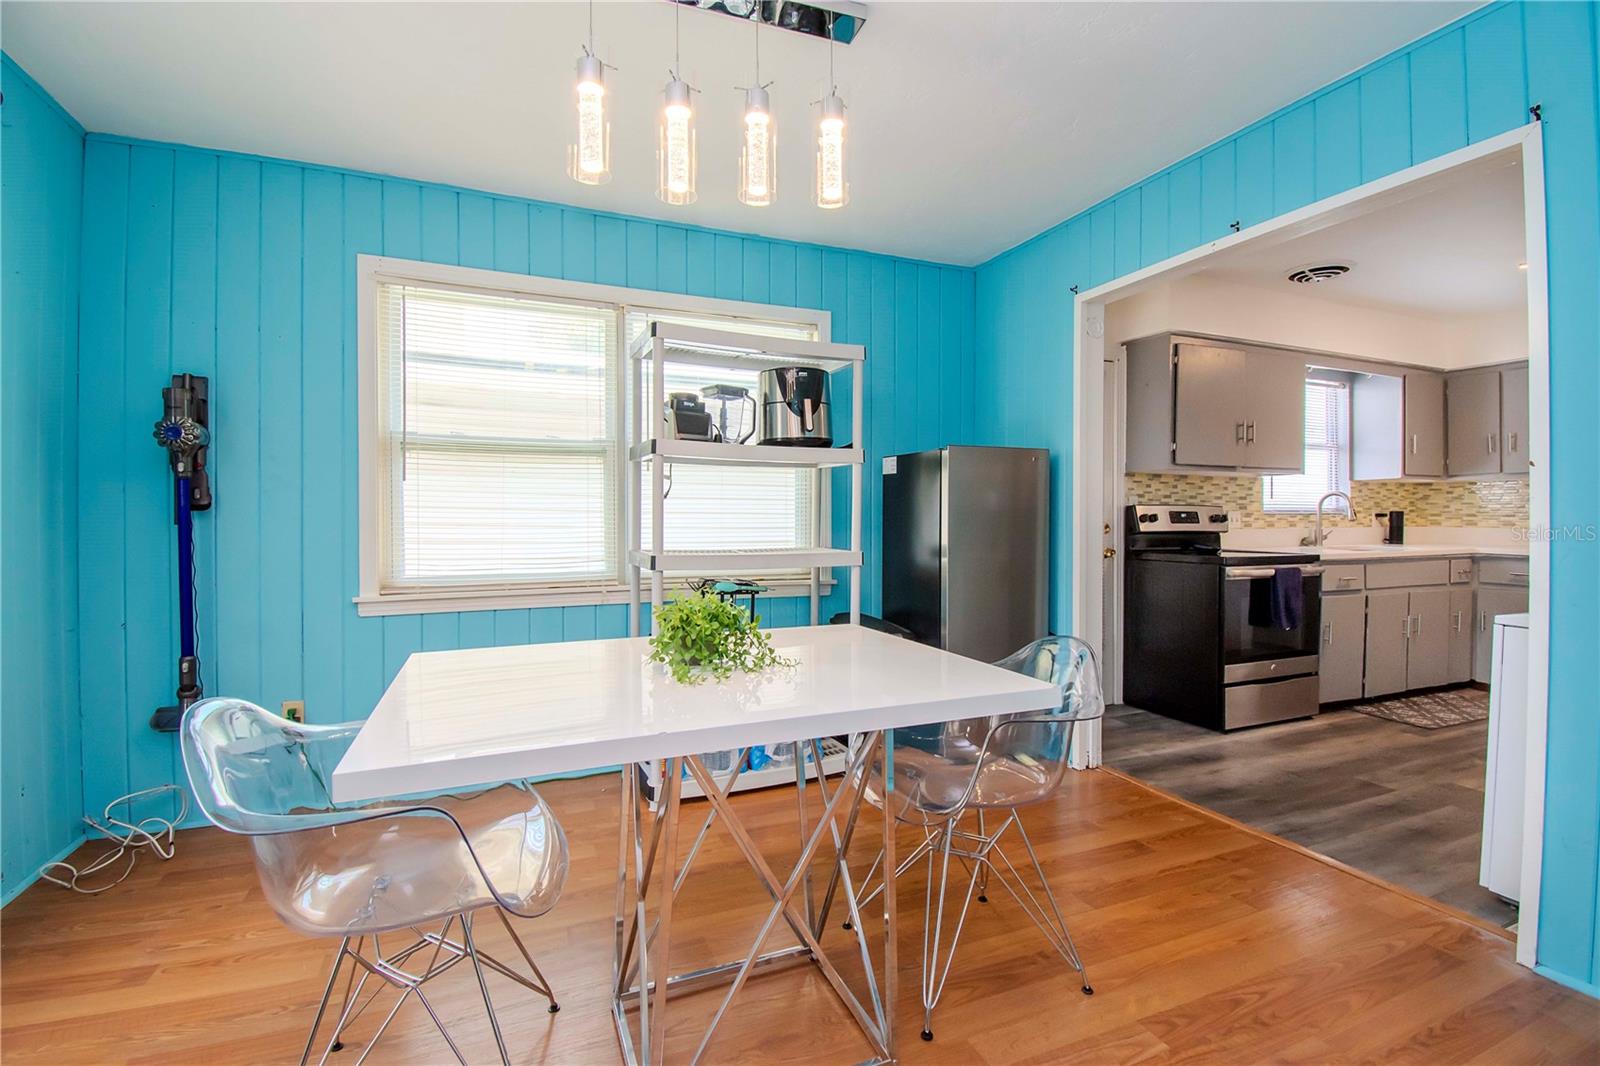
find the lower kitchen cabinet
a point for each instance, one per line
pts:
(1408, 640)
(1461, 633)
(1344, 620)
(1491, 602)
(1418, 624)
(1388, 627)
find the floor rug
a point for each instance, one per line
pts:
(1431, 710)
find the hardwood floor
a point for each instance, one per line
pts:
(1204, 943)
(1402, 803)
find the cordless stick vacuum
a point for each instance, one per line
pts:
(185, 432)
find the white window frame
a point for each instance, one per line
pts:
(1345, 447)
(371, 270)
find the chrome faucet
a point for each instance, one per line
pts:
(1317, 535)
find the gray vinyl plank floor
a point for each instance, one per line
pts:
(1399, 802)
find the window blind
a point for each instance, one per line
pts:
(1327, 459)
(498, 439)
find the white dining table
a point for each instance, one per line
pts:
(460, 719)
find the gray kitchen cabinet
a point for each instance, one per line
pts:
(1514, 420)
(1461, 631)
(1397, 426)
(1344, 622)
(1388, 623)
(1209, 419)
(1424, 424)
(1428, 646)
(1492, 601)
(1472, 419)
(1207, 406)
(1275, 411)
(1407, 641)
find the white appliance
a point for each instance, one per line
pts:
(1500, 869)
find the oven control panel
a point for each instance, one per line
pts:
(1177, 519)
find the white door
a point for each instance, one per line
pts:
(1111, 536)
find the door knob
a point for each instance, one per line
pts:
(1109, 553)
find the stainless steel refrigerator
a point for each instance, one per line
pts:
(966, 552)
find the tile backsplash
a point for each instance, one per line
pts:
(1501, 504)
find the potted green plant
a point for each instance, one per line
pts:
(701, 635)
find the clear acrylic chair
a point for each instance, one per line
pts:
(363, 871)
(987, 768)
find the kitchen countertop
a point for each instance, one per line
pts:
(1371, 553)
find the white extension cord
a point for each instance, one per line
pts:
(156, 834)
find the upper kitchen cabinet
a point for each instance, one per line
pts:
(1487, 414)
(1397, 426)
(1514, 420)
(1472, 406)
(1196, 405)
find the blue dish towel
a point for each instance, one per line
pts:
(1277, 602)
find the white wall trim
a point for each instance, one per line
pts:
(1538, 698)
(370, 601)
(1088, 389)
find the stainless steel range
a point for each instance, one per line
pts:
(1218, 637)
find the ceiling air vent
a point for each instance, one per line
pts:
(1312, 274)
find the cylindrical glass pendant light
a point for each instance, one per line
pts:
(832, 189)
(675, 153)
(758, 160)
(758, 152)
(589, 158)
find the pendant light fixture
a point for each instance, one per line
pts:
(833, 191)
(758, 158)
(676, 151)
(589, 157)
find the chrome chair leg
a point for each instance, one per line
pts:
(483, 987)
(986, 857)
(1055, 908)
(327, 994)
(983, 868)
(936, 969)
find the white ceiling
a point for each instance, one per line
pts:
(973, 126)
(1453, 250)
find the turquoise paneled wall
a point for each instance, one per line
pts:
(41, 182)
(243, 269)
(1467, 82)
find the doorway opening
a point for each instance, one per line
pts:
(1337, 331)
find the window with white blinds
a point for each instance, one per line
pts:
(499, 439)
(1327, 462)
(498, 446)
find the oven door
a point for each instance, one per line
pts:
(1251, 651)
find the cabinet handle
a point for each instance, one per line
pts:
(1413, 444)
(1489, 439)
(1238, 433)
(1408, 627)
(1458, 621)
(1418, 631)
(1483, 621)
(1250, 433)
(1512, 439)
(1327, 634)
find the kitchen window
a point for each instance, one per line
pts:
(1327, 459)
(492, 440)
